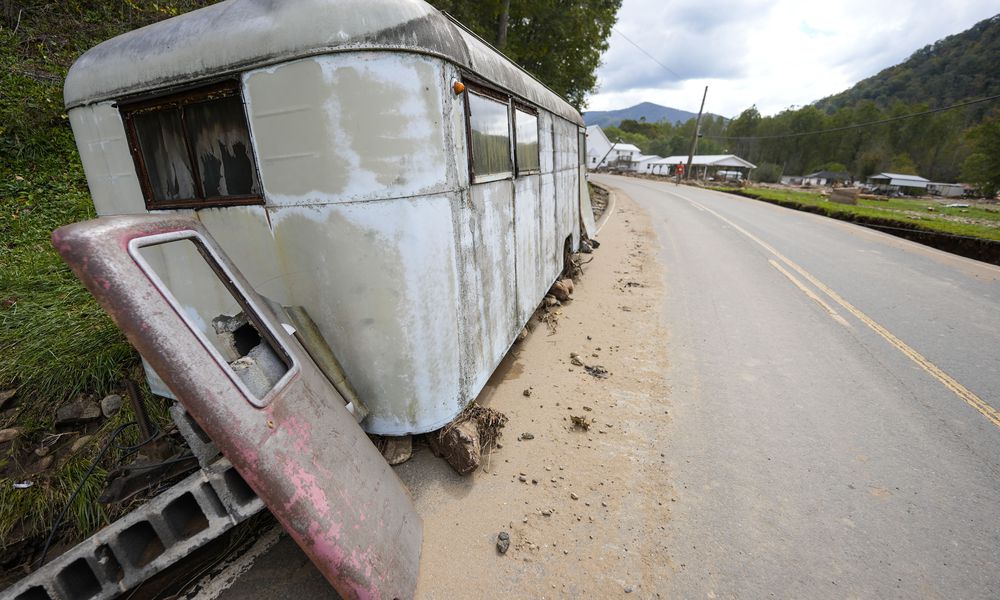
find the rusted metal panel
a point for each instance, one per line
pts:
(296, 445)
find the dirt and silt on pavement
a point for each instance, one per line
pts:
(585, 509)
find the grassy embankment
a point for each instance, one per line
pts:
(974, 222)
(55, 341)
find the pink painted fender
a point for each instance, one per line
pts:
(298, 447)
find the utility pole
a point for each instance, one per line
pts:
(697, 134)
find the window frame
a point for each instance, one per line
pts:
(496, 96)
(176, 102)
(520, 106)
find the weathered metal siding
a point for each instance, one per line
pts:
(551, 247)
(486, 254)
(356, 168)
(349, 127)
(529, 232)
(107, 161)
(379, 279)
(567, 184)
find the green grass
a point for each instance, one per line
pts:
(55, 341)
(899, 210)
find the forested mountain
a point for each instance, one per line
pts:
(869, 128)
(646, 111)
(959, 67)
(949, 145)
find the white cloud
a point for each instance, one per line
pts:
(772, 53)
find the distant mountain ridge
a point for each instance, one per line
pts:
(653, 113)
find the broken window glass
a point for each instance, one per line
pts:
(193, 149)
(161, 140)
(212, 309)
(527, 141)
(489, 121)
(222, 147)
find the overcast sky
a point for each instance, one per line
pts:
(772, 53)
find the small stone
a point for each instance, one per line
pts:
(547, 512)
(576, 361)
(42, 451)
(110, 405)
(397, 450)
(573, 355)
(80, 443)
(534, 482)
(573, 496)
(527, 393)
(587, 408)
(7, 435)
(43, 464)
(628, 589)
(527, 436)
(81, 410)
(550, 301)
(503, 542)
(561, 291)
(604, 504)
(522, 479)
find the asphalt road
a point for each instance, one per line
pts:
(833, 433)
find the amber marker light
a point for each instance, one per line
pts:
(458, 87)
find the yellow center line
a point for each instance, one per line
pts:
(948, 381)
(811, 294)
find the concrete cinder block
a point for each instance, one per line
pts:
(147, 540)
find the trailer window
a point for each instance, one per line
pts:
(526, 139)
(193, 150)
(582, 147)
(489, 124)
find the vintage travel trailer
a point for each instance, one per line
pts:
(370, 161)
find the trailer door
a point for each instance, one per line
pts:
(254, 390)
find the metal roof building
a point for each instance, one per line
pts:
(898, 180)
(702, 161)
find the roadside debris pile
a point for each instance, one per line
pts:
(598, 199)
(140, 459)
(463, 441)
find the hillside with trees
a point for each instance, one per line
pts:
(952, 70)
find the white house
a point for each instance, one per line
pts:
(602, 153)
(644, 163)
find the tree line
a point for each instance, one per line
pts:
(947, 146)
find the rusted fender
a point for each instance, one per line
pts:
(298, 448)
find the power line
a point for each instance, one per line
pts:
(855, 126)
(651, 57)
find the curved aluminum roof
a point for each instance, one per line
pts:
(237, 35)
